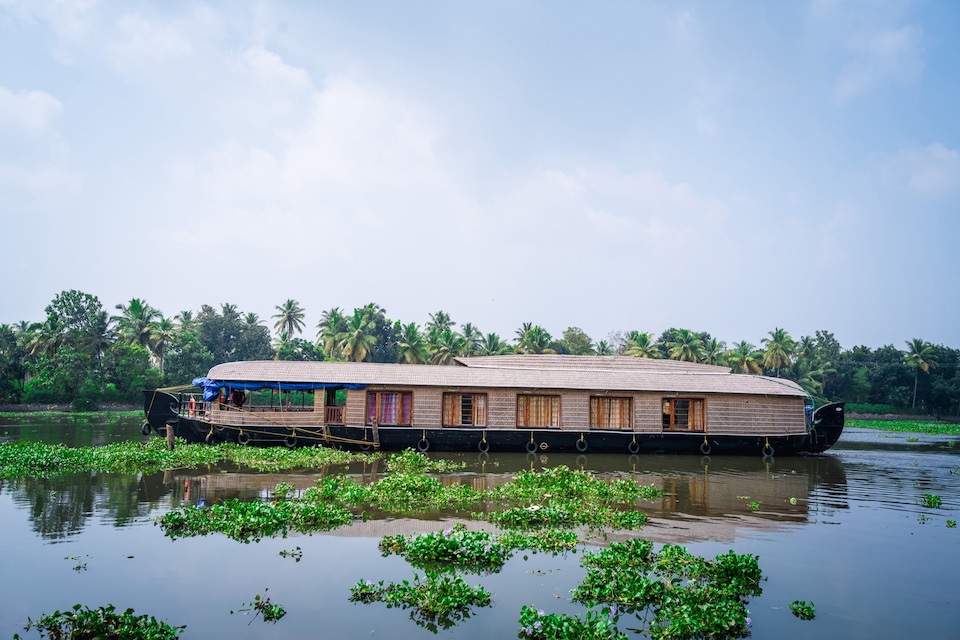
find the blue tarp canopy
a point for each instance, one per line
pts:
(211, 388)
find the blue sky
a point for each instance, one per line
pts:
(728, 167)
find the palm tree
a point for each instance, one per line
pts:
(492, 345)
(471, 339)
(536, 340)
(602, 348)
(744, 358)
(185, 322)
(439, 322)
(449, 344)
(97, 336)
(332, 324)
(780, 348)
(163, 334)
(289, 318)
(713, 351)
(686, 345)
(920, 356)
(413, 347)
(641, 345)
(356, 342)
(136, 322)
(522, 333)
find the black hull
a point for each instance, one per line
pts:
(160, 409)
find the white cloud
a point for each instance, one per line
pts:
(931, 171)
(28, 111)
(887, 55)
(140, 39)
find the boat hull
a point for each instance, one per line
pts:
(162, 411)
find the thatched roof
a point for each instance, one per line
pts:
(540, 372)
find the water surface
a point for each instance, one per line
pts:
(845, 530)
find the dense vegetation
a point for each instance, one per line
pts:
(81, 354)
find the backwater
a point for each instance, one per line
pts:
(847, 531)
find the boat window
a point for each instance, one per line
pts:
(389, 407)
(538, 411)
(611, 413)
(683, 414)
(464, 409)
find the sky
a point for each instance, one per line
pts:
(729, 167)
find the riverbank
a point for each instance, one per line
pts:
(65, 408)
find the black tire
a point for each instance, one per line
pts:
(581, 445)
(633, 447)
(243, 438)
(767, 451)
(290, 442)
(530, 447)
(146, 429)
(423, 446)
(483, 446)
(211, 438)
(705, 448)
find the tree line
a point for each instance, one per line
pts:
(83, 354)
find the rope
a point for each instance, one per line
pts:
(293, 428)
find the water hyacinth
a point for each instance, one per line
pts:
(449, 550)
(437, 601)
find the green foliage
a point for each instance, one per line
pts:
(907, 426)
(803, 609)
(251, 521)
(438, 601)
(412, 461)
(680, 595)
(37, 460)
(931, 501)
(83, 623)
(537, 625)
(561, 497)
(262, 606)
(451, 549)
(951, 524)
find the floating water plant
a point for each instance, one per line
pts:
(803, 609)
(82, 623)
(931, 501)
(448, 550)
(294, 553)
(536, 624)
(951, 524)
(753, 506)
(37, 460)
(437, 601)
(264, 607)
(678, 595)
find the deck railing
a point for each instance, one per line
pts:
(333, 415)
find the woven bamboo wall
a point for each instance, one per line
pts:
(428, 407)
(647, 413)
(354, 413)
(760, 415)
(574, 410)
(502, 409)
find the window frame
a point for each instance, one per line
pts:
(554, 410)
(597, 414)
(696, 414)
(451, 415)
(378, 404)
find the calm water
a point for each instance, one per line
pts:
(845, 530)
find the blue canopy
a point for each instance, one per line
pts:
(211, 388)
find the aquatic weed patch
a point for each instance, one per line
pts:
(907, 426)
(37, 460)
(82, 623)
(404, 493)
(412, 461)
(674, 593)
(437, 601)
(262, 606)
(251, 521)
(562, 497)
(538, 625)
(449, 550)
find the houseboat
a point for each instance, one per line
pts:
(521, 403)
